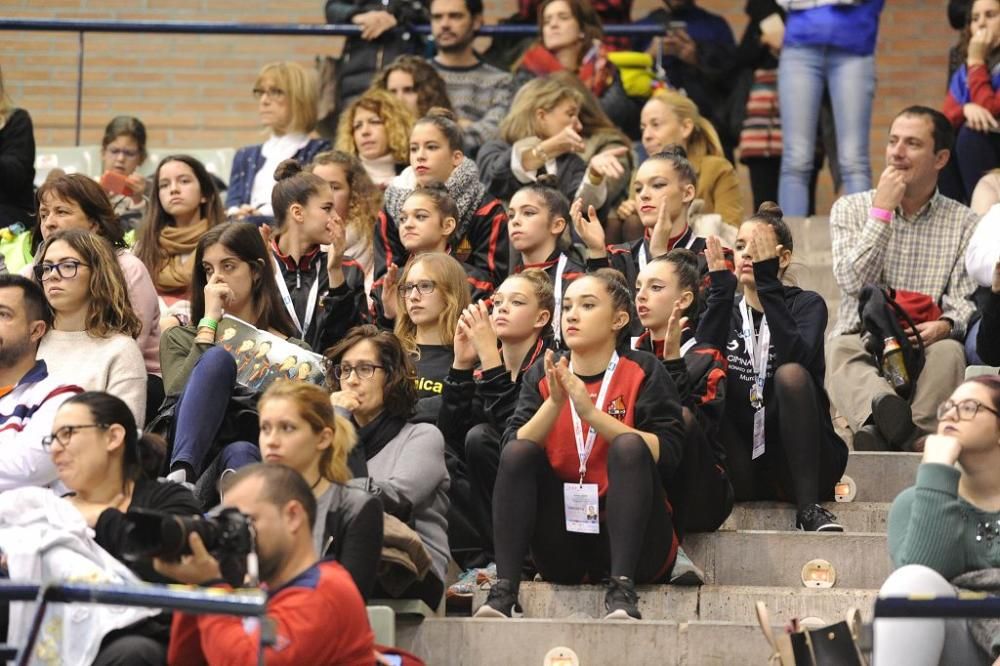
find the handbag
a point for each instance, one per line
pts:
(832, 645)
(883, 317)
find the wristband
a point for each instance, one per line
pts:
(880, 214)
(208, 322)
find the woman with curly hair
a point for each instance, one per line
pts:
(376, 128)
(92, 339)
(416, 82)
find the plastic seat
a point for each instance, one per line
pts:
(218, 161)
(383, 622)
(71, 159)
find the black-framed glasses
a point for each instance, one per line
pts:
(361, 370)
(127, 153)
(966, 409)
(273, 93)
(422, 286)
(65, 433)
(67, 269)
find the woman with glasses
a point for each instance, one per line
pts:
(944, 531)
(123, 151)
(373, 380)
(110, 468)
(233, 275)
(92, 339)
(299, 428)
(286, 97)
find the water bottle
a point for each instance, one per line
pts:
(893, 365)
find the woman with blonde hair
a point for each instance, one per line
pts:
(668, 118)
(92, 339)
(17, 162)
(376, 128)
(286, 95)
(299, 428)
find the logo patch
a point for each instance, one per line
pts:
(616, 408)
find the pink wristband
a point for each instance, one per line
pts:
(880, 214)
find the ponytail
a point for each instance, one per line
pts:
(333, 467)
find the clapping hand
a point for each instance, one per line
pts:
(556, 393)
(675, 327)
(714, 255)
(390, 291)
(589, 229)
(764, 244)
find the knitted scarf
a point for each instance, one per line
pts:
(178, 245)
(463, 185)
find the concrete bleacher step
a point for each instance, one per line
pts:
(854, 516)
(709, 603)
(502, 642)
(881, 476)
(776, 558)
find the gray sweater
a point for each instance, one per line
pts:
(413, 463)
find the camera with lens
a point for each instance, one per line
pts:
(227, 534)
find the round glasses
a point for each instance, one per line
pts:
(66, 270)
(966, 409)
(361, 370)
(422, 286)
(127, 153)
(65, 433)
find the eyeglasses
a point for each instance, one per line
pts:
(64, 434)
(127, 153)
(361, 371)
(67, 269)
(273, 93)
(966, 409)
(423, 286)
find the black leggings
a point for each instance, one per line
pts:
(803, 458)
(701, 493)
(482, 459)
(637, 536)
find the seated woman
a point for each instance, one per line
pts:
(17, 162)
(376, 128)
(92, 339)
(299, 428)
(612, 478)
(942, 531)
(570, 40)
(123, 151)
(356, 200)
(493, 350)
(542, 135)
(666, 301)
(233, 275)
(416, 83)
(973, 101)
(286, 100)
(373, 380)
(186, 205)
(436, 157)
(670, 118)
(109, 468)
(777, 431)
(75, 201)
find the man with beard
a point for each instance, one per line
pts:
(480, 93)
(29, 397)
(316, 612)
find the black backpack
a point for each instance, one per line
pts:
(880, 319)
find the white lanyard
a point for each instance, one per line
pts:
(644, 253)
(686, 347)
(758, 349)
(583, 448)
(557, 315)
(287, 298)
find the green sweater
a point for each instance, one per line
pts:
(930, 524)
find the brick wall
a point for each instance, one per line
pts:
(193, 91)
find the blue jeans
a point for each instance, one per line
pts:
(971, 354)
(803, 73)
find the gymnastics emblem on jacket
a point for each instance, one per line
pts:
(616, 408)
(262, 357)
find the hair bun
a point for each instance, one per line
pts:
(548, 180)
(674, 149)
(287, 169)
(441, 112)
(684, 256)
(770, 209)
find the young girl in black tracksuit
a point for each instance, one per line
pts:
(478, 402)
(779, 438)
(610, 462)
(666, 301)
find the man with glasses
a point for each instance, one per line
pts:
(29, 397)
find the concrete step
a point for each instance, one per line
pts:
(776, 558)
(779, 516)
(709, 603)
(882, 476)
(502, 642)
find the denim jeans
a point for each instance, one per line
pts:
(803, 73)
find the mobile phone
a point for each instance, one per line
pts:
(677, 26)
(116, 183)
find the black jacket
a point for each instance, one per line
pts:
(17, 169)
(352, 534)
(495, 173)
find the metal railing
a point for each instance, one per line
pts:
(83, 26)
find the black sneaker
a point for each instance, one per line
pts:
(501, 602)
(815, 518)
(620, 601)
(894, 419)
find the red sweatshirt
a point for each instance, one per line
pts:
(319, 618)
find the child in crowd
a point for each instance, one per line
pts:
(480, 238)
(373, 380)
(286, 96)
(777, 431)
(92, 339)
(376, 128)
(123, 151)
(186, 205)
(299, 428)
(600, 508)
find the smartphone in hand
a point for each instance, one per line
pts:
(116, 183)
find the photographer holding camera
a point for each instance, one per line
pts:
(317, 613)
